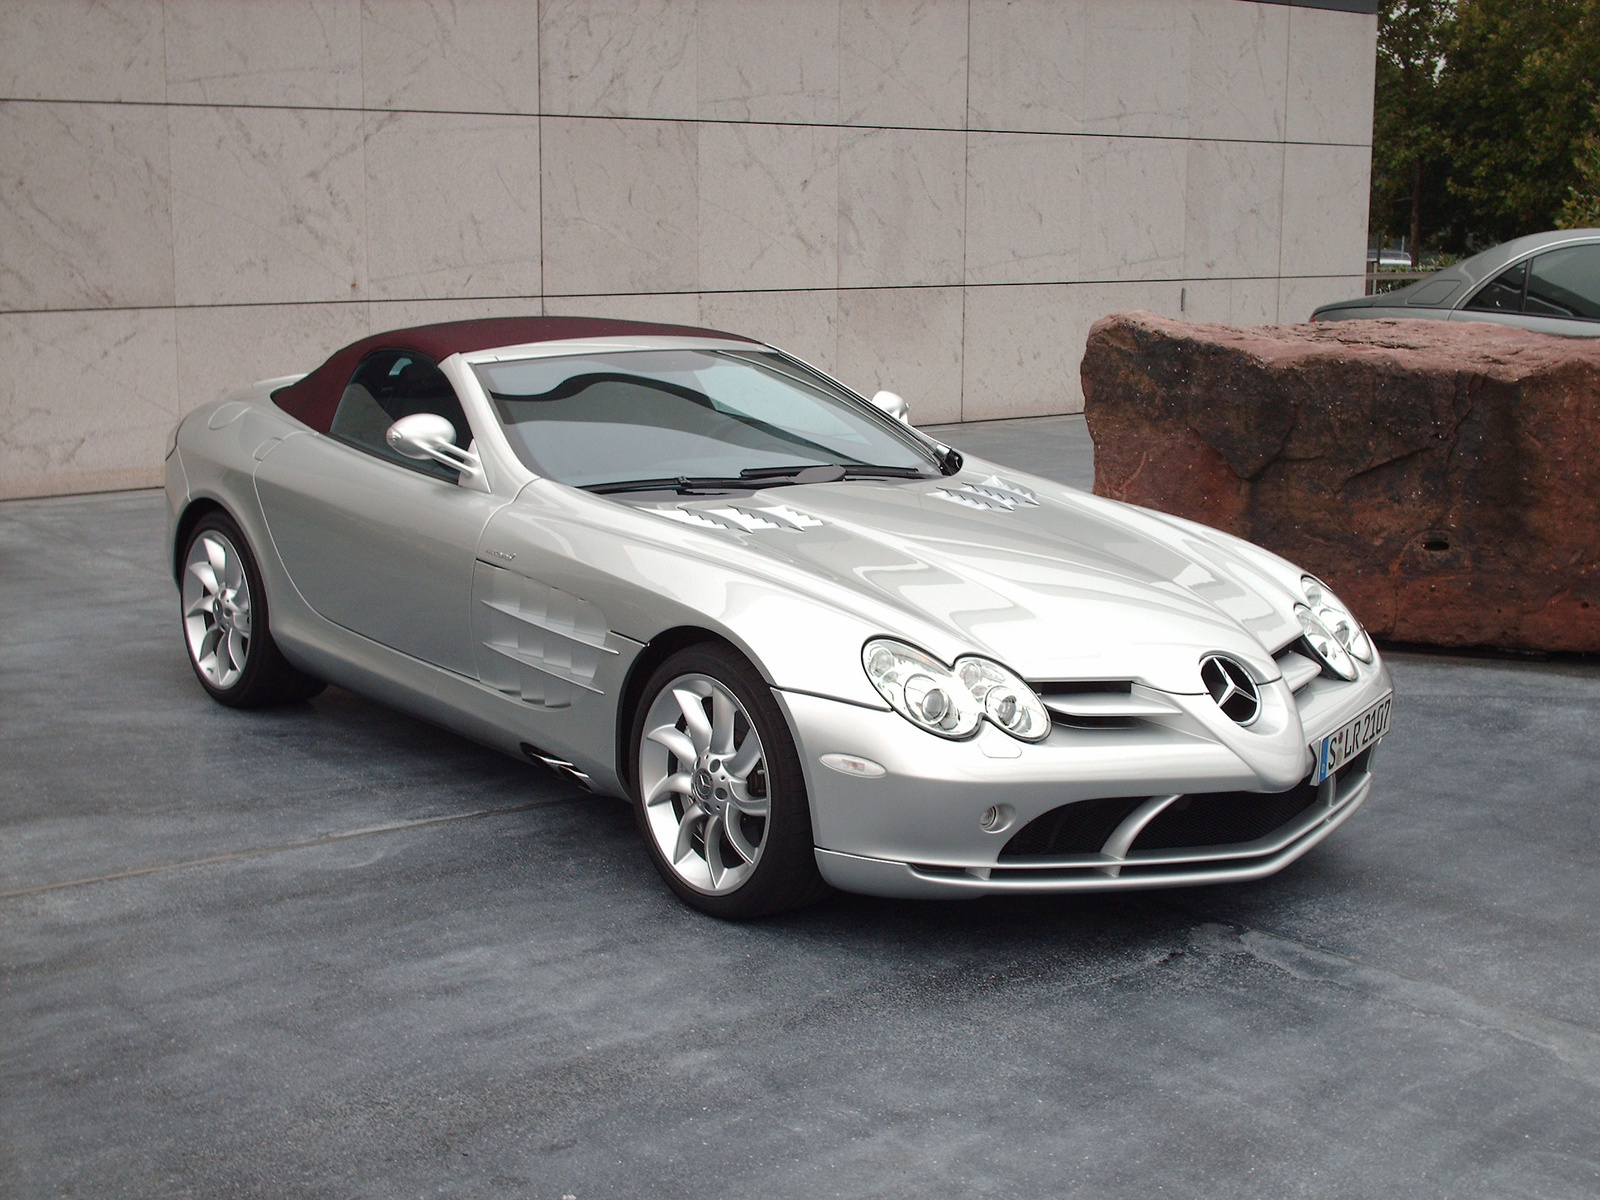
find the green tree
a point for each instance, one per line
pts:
(1484, 118)
(1582, 207)
(1408, 134)
(1519, 91)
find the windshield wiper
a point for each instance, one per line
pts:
(831, 472)
(678, 483)
(758, 477)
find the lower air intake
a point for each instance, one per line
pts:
(1080, 828)
(1201, 819)
(1223, 818)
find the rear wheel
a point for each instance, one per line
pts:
(225, 622)
(720, 797)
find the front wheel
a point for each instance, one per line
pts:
(225, 622)
(719, 794)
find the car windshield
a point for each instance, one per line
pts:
(639, 415)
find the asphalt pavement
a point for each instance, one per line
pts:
(329, 951)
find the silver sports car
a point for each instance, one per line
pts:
(813, 645)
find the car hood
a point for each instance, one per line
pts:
(1056, 583)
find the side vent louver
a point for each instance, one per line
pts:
(534, 641)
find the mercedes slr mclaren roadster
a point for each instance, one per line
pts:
(813, 645)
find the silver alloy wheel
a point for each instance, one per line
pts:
(216, 609)
(703, 777)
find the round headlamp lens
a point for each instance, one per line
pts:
(1325, 645)
(1337, 619)
(1007, 701)
(920, 688)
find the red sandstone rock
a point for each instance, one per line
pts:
(1443, 478)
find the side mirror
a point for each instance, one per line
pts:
(428, 435)
(894, 405)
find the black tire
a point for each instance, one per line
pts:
(784, 875)
(265, 676)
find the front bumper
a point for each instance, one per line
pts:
(920, 829)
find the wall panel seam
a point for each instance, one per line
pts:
(543, 116)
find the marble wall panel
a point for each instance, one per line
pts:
(232, 346)
(1020, 357)
(82, 50)
(284, 228)
(1332, 56)
(1208, 301)
(1324, 210)
(300, 52)
(1134, 208)
(1238, 64)
(1027, 68)
(84, 206)
(905, 340)
(1234, 209)
(1024, 344)
(1136, 69)
(618, 58)
(806, 324)
(1253, 301)
(1297, 298)
(85, 401)
(903, 62)
(768, 62)
(769, 206)
(1230, 301)
(452, 205)
(450, 55)
(902, 207)
(1024, 207)
(621, 206)
(402, 314)
(266, 205)
(668, 308)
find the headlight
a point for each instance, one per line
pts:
(952, 702)
(1336, 618)
(1324, 645)
(1007, 701)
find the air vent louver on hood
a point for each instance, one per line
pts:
(742, 518)
(992, 494)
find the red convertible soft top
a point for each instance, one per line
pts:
(314, 398)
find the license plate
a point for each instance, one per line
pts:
(1349, 740)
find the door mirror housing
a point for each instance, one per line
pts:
(429, 436)
(893, 404)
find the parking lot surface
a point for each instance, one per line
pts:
(327, 950)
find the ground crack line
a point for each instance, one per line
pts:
(1574, 1044)
(327, 839)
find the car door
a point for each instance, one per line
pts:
(1554, 292)
(381, 544)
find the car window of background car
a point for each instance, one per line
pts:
(388, 385)
(1433, 293)
(1503, 293)
(651, 414)
(1566, 283)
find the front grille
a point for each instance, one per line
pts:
(1077, 721)
(1202, 819)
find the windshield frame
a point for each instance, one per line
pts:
(928, 454)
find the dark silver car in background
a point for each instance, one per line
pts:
(1547, 282)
